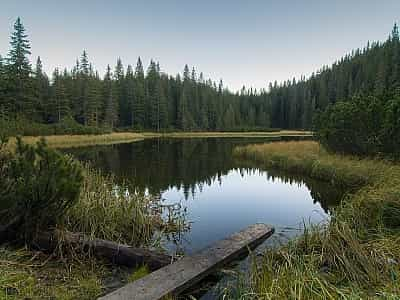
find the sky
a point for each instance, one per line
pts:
(243, 42)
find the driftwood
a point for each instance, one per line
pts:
(117, 253)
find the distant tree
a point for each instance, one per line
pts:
(41, 91)
(84, 64)
(59, 105)
(139, 95)
(20, 95)
(120, 94)
(110, 115)
(94, 103)
(153, 95)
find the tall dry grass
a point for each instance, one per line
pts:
(356, 255)
(69, 141)
(108, 210)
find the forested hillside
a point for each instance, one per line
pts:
(127, 96)
(132, 97)
(373, 70)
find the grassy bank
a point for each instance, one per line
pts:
(356, 255)
(25, 274)
(103, 210)
(68, 141)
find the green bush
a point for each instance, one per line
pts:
(363, 126)
(40, 184)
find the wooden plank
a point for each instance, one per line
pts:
(177, 277)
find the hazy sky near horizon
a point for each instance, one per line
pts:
(243, 42)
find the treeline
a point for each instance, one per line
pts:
(125, 98)
(373, 70)
(367, 123)
(132, 98)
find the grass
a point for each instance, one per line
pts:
(108, 211)
(69, 141)
(104, 210)
(29, 275)
(356, 255)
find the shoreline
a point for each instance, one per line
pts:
(357, 252)
(71, 141)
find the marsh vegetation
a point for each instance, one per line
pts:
(356, 254)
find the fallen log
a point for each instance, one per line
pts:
(119, 254)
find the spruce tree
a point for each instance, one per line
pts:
(82, 84)
(94, 101)
(120, 95)
(60, 105)
(110, 115)
(84, 64)
(130, 94)
(139, 95)
(153, 95)
(20, 96)
(41, 89)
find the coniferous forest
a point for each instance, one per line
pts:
(140, 98)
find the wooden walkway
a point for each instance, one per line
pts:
(177, 277)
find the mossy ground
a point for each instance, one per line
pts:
(34, 275)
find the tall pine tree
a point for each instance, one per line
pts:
(20, 99)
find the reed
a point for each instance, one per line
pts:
(356, 255)
(108, 210)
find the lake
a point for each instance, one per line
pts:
(218, 194)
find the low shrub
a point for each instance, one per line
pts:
(41, 184)
(364, 125)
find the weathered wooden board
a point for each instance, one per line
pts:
(177, 277)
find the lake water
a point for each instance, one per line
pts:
(219, 194)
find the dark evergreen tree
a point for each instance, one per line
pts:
(120, 94)
(19, 86)
(41, 90)
(59, 105)
(110, 115)
(139, 96)
(130, 94)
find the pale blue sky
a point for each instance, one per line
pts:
(248, 42)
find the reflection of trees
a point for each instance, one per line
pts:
(159, 164)
(324, 193)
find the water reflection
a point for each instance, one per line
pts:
(221, 194)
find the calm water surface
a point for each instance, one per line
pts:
(219, 194)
